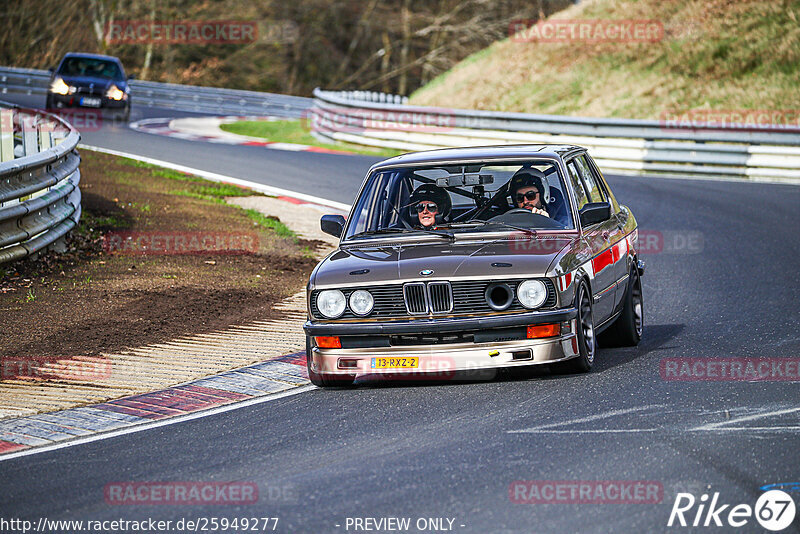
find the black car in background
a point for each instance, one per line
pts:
(90, 81)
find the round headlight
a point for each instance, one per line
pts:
(330, 303)
(532, 293)
(361, 302)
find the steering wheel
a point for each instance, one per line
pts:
(519, 210)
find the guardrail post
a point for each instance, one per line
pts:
(6, 134)
(30, 141)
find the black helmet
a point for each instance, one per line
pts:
(431, 193)
(528, 177)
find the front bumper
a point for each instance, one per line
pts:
(74, 101)
(437, 324)
(444, 360)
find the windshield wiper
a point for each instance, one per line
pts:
(439, 233)
(477, 224)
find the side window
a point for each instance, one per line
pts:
(577, 184)
(596, 193)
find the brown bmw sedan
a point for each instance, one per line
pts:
(472, 259)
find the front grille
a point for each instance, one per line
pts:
(416, 300)
(456, 298)
(95, 91)
(469, 296)
(441, 297)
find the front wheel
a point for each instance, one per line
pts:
(325, 380)
(587, 342)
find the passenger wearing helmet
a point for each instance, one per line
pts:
(528, 191)
(430, 205)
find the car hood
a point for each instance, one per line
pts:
(503, 258)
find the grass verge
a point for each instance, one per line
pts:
(295, 131)
(726, 55)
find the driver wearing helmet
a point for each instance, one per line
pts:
(528, 189)
(430, 205)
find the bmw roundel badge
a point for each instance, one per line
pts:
(426, 272)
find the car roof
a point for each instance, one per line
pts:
(91, 56)
(479, 153)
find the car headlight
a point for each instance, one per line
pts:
(331, 303)
(532, 293)
(115, 93)
(59, 87)
(361, 302)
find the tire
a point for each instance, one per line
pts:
(627, 328)
(587, 340)
(324, 380)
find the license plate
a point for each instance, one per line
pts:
(90, 102)
(395, 363)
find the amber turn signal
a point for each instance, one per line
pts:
(542, 330)
(328, 342)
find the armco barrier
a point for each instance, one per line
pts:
(39, 196)
(209, 100)
(618, 145)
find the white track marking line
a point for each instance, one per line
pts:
(214, 177)
(139, 427)
(605, 415)
(719, 425)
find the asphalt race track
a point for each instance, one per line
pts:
(723, 282)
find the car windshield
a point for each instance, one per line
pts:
(456, 198)
(94, 67)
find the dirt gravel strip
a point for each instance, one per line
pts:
(137, 378)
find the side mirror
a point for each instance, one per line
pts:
(595, 212)
(51, 70)
(332, 224)
(131, 77)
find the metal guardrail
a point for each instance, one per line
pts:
(40, 201)
(619, 145)
(209, 100)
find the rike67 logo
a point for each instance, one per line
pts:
(774, 510)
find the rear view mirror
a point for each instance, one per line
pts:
(332, 224)
(595, 212)
(461, 180)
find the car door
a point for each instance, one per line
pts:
(618, 234)
(599, 237)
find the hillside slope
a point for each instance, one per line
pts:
(714, 54)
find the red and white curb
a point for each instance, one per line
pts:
(208, 129)
(260, 381)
